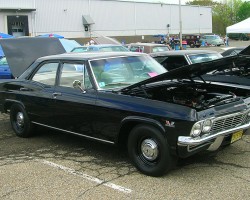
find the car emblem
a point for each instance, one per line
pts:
(169, 123)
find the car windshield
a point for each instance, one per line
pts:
(113, 48)
(198, 58)
(159, 49)
(3, 61)
(80, 49)
(213, 37)
(124, 71)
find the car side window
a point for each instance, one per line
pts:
(72, 72)
(174, 62)
(46, 74)
(136, 48)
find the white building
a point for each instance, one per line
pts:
(109, 17)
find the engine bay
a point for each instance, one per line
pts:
(198, 96)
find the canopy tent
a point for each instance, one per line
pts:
(4, 35)
(241, 27)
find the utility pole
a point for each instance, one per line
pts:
(180, 24)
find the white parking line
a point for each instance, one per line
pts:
(86, 176)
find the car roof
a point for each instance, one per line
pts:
(105, 45)
(182, 52)
(147, 44)
(88, 55)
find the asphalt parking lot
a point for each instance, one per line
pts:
(55, 165)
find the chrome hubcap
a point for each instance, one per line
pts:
(20, 119)
(149, 149)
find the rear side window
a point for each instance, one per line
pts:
(46, 74)
(136, 49)
(173, 62)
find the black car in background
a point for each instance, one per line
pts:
(175, 59)
(127, 99)
(192, 40)
(234, 71)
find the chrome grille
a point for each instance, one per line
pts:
(229, 122)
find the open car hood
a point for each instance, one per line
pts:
(22, 52)
(245, 51)
(196, 70)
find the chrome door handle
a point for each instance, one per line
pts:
(24, 89)
(55, 94)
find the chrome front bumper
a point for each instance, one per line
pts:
(188, 140)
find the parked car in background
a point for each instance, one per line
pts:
(234, 71)
(230, 51)
(192, 40)
(175, 59)
(100, 47)
(5, 72)
(239, 36)
(80, 49)
(148, 47)
(212, 40)
(124, 98)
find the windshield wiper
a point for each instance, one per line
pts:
(118, 83)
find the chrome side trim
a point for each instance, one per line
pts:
(187, 140)
(86, 136)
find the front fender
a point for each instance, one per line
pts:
(128, 123)
(144, 120)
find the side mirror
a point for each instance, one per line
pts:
(77, 84)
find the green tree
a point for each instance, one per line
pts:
(202, 2)
(244, 11)
(223, 14)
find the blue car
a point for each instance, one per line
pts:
(5, 72)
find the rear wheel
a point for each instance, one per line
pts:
(20, 121)
(149, 151)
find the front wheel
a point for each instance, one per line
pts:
(149, 151)
(20, 122)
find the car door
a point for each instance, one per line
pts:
(36, 93)
(74, 107)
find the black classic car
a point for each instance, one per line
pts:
(127, 99)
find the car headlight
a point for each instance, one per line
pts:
(196, 130)
(207, 125)
(248, 116)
